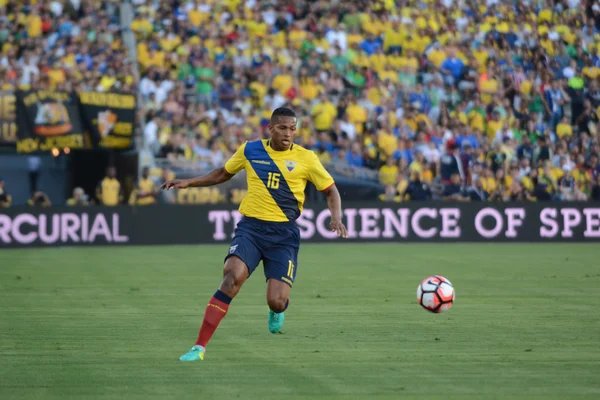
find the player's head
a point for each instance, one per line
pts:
(282, 128)
(111, 172)
(146, 172)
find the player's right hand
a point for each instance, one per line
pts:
(339, 228)
(175, 184)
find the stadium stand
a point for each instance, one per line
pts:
(450, 99)
(65, 45)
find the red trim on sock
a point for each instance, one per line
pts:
(215, 312)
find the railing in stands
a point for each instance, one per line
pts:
(186, 166)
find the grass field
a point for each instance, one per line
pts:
(110, 323)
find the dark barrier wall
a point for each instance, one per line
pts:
(52, 178)
(437, 222)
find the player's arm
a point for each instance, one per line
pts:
(334, 203)
(235, 164)
(324, 183)
(214, 177)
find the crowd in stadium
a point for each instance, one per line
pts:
(451, 99)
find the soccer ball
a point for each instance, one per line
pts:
(435, 294)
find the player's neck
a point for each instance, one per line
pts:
(270, 144)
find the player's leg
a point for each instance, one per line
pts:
(278, 295)
(235, 274)
(280, 270)
(278, 299)
(241, 261)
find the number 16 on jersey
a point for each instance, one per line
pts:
(273, 180)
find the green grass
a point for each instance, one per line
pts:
(110, 323)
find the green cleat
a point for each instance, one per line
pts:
(275, 321)
(195, 354)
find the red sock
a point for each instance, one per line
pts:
(215, 311)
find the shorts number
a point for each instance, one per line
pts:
(273, 180)
(291, 269)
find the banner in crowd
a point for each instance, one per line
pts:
(8, 117)
(41, 120)
(366, 222)
(109, 117)
(48, 119)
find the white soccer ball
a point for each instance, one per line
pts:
(435, 294)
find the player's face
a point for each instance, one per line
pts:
(283, 130)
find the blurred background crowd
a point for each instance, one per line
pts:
(433, 99)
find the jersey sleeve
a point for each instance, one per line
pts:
(318, 175)
(237, 162)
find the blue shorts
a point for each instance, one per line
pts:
(275, 243)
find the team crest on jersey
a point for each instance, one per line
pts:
(290, 165)
(232, 248)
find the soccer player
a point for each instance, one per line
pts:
(277, 171)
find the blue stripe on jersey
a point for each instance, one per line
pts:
(283, 196)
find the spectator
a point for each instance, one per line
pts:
(525, 150)
(388, 172)
(109, 192)
(390, 194)
(39, 199)
(5, 198)
(588, 118)
(452, 68)
(497, 158)
(217, 158)
(174, 148)
(454, 190)
(541, 152)
(227, 94)
(476, 191)
(145, 192)
(204, 74)
(556, 97)
(451, 163)
(151, 131)
(488, 179)
(516, 192)
(567, 186)
(417, 190)
(354, 158)
(337, 36)
(371, 44)
(79, 198)
(323, 113)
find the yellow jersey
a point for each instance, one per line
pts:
(146, 186)
(388, 174)
(324, 115)
(276, 179)
(110, 190)
(72, 202)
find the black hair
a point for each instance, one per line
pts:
(282, 112)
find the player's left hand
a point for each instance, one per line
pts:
(338, 226)
(175, 184)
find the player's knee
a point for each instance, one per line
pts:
(277, 303)
(233, 277)
(232, 282)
